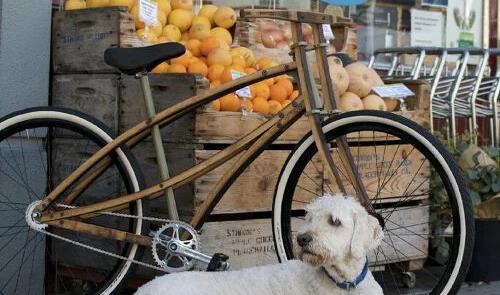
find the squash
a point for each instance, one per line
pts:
(374, 102)
(392, 104)
(377, 81)
(360, 79)
(350, 102)
(340, 78)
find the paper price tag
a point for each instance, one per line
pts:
(245, 91)
(327, 32)
(148, 12)
(398, 90)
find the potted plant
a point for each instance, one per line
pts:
(481, 169)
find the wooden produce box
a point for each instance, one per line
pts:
(241, 222)
(117, 101)
(80, 37)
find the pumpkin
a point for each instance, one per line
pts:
(360, 79)
(350, 102)
(392, 104)
(374, 102)
(339, 76)
(377, 81)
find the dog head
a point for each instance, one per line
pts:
(336, 228)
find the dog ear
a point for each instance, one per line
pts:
(377, 232)
(367, 234)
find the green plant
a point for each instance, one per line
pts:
(483, 183)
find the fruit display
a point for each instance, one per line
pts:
(353, 87)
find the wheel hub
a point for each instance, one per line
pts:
(32, 217)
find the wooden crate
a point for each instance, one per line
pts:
(249, 241)
(118, 102)
(80, 37)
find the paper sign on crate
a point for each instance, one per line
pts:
(398, 90)
(327, 32)
(148, 12)
(245, 91)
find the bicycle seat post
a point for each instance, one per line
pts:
(158, 145)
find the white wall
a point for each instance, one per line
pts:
(24, 53)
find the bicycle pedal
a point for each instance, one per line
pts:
(218, 262)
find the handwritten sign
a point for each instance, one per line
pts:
(398, 90)
(148, 12)
(327, 32)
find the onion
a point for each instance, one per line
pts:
(287, 32)
(268, 41)
(268, 25)
(307, 30)
(282, 44)
(277, 36)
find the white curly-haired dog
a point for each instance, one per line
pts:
(332, 247)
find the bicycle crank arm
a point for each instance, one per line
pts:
(217, 262)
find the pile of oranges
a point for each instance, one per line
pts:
(267, 97)
(208, 50)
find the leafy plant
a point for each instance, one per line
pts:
(483, 183)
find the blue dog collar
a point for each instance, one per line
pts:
(350, 285)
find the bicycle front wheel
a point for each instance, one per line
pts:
(39, 147)
(413, 184)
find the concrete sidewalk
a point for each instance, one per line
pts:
(492, 288)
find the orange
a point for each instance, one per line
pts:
(219, 56)
(181, 18)
(182, 4)
(238, 60)
(230, 103)
(194, 46)
(278, 92)
(208, 44)
(172, 32)
(194, 59)
(176, 68)
(225, 17)
(260, 105)
(216, 104)
(185, 36)
(260, 90)
(272, 64)
(203, 59)
(269, 82)
(215, 72)
(285, 103)
(294, 95)
(226, 75)
(247, 104)
(183, 60)
(76, 4)
(238, 69)
(198, 67)
(274, 106)
(161, 68)
(222, 34)
(287, 84)
(250, 70)
(262, 62)
(214, 84)
(163, 39)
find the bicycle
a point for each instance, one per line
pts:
(72, 212)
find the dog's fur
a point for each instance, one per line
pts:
(340, 234)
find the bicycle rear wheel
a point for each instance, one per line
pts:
(39, 147)
(413, 183)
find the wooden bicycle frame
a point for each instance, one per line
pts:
(249, 147)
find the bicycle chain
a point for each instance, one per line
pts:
(101, 251)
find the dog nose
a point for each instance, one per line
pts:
(304, 239)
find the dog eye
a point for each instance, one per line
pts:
(334, 221)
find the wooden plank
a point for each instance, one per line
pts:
(254, 189)
(250, 242)
(80, 38)
(94, 94)
(227, 127)
(388, 172)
